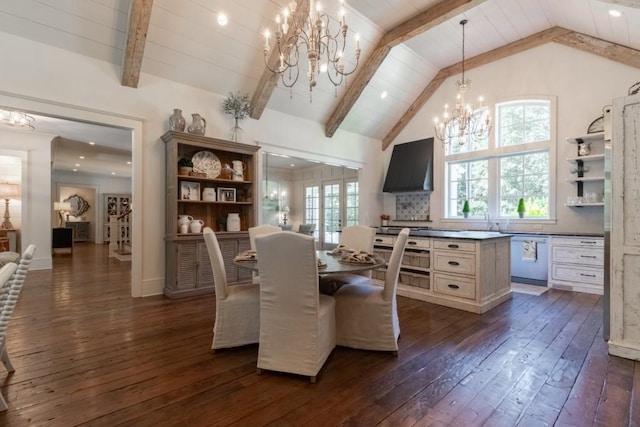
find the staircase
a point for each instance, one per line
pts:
(119, 237)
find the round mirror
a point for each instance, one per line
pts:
(78, 205)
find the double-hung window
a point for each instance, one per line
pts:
(516, 161)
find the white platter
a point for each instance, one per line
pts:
(207, 162)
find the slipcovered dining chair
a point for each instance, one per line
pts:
(366, 315)
(260, 230)
(237, 320)
(358, 237)
(297, 324)
(307, 229)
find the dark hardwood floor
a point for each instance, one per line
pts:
(86, 353)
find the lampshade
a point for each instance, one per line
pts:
(9, 191)
(286, 209)
(61, 206)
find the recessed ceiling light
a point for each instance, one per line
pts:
(128, 162)
(113, 173)
(293, 165)
(383, 95)
(77, 165)
(615, 13)
(92, 143)
(81, 157)
(75, 170)
(323, 68)
(222, 19)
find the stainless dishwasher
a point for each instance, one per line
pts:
(531, 266)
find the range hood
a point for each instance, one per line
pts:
(410, 168)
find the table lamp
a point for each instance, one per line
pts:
(8, 191)
(62, 208)
(285, 211)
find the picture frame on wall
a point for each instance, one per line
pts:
(189, 190)
(226, 194)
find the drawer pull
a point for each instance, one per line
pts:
(587, 275)
(411, 242)
(379, 240)
(588, 256)
(454, 263)
(590, 242)
(452, 286)
(452, 246)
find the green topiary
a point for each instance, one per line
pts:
(465, 208)
(521, 208)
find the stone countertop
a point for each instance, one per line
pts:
(448, 234)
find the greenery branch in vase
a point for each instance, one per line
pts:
(238, 106)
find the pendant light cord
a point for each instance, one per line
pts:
(463, 23)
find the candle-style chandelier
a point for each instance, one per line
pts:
(464, 123)
(299, 29)
(15, 119)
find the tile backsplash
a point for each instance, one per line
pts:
(412, 206)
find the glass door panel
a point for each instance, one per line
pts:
(332, 213)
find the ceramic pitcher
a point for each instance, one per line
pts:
(183, 223)
(198, 125)
(196, 225)
(238, 170)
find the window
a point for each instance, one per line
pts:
(312, 206)
(351, 203)
(493, 174)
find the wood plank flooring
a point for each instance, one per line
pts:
(86, 353)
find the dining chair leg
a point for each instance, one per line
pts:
(312, 379)
(6, 361)
(3, 404)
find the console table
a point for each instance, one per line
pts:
(81, 230)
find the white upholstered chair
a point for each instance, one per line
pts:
(359, 237)
(237, 320)
(297, 324)
(367, 315)
(6, 273)
(260, 230)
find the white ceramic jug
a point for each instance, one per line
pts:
(233, 222)
(183, 223)
(238, 170)
(196, 225)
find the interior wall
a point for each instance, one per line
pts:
(64, 79)
(583, 84)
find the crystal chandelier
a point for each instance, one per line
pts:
(15, 119)
(299, 30)
(464, 123)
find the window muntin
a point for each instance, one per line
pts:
(312, 206)
(351, 203)
(525, 176)
(468, 181)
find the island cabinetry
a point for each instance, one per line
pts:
(467, 274)
(222, 182)
(577, 264)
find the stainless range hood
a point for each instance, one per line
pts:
(410, 168)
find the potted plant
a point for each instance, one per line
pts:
(185, 166)
(238, 106)
(465, 209)
(385, 219)
(521, 208)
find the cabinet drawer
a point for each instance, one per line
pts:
(463, 287)
(454, 245)
(578, 274)
(588, 256)
(592, 242)
(454, 262)
(383, 240)
(418, 243)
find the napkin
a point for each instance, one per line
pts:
(341, 249)
(321, 264)
(358, 257)
(248, 255)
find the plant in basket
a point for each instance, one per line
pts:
(185, 166)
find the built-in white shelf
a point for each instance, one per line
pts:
(583, 205)
(589, 158)
(586, 179)
(598, 136)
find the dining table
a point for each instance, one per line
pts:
(328, 263)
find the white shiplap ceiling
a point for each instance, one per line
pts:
(185, 44)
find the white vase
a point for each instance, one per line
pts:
(233, 222)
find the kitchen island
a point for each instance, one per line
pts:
(467, 270)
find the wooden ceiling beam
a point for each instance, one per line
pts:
(615, 52)
(418, 24)
(269, 80)
(521, 45)
(139, 17)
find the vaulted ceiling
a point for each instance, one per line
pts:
(409, 47)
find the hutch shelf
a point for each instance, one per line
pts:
(209, 195)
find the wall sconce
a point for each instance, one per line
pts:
(63, 209)
(8, 191)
